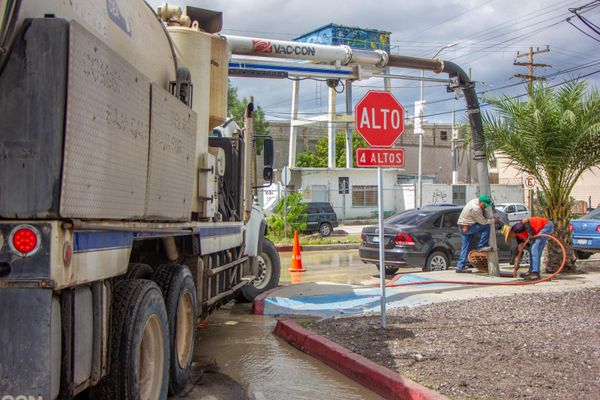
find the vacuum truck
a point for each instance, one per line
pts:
(126, 197)
(127, 193)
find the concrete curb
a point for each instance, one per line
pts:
(341, 246)
(377, 378)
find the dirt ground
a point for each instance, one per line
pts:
(543, 346)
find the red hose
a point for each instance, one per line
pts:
(518, 283)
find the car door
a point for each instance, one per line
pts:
(450, 232)
(312, 216)
(522, 211)
(511, 212)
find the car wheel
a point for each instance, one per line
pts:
(582, 255)
(325, 229)
(437, 261)
(389, 269)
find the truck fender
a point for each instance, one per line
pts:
(255, 232)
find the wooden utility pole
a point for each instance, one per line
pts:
(530, 77)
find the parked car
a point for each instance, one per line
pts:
(514, 211)
(586, 234)
(320, 217)
(428, 238)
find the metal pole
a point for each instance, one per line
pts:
(349, 154)
(293, 127)
(381, 244)
(331, 130)
(453, 144)
(284, 212)
(420, 170)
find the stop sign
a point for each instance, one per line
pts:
(379, 118)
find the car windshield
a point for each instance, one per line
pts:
(500, 207)
(409, 217)
(593, 214)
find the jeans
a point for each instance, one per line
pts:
(465, 241)
(538, 247)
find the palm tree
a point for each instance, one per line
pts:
(554, 136)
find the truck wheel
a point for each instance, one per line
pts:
(269, 269)
(325, 229)
(139, 344)
(139, 271)
(179, 291)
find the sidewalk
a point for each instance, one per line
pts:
(323, 299)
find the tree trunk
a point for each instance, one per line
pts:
(560, 216)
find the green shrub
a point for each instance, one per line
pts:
(296, 216)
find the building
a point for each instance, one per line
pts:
(437, 150)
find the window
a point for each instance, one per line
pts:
(326, 207)
(521, 208)
(410, 217)
(509, 209)
(313, 208)
(451, 220)
(364, 195)
(444, 135)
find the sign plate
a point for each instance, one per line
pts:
(379, 118)
(378, 157)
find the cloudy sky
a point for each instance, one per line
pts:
(487, 35)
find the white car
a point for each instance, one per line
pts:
(514, 211)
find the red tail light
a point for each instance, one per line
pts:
(24, 240)
(404, 239)
(571, 228)
(598, 229)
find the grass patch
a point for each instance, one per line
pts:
(308, 240)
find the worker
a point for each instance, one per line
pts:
(472, 220)
(528, 228)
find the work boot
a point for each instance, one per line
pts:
(532, 276)
(462, 271)
(524, 274)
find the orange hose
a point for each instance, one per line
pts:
(518, 283)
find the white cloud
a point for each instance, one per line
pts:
(419, 28)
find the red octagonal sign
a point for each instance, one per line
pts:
(379, 118)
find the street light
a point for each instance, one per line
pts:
(420, 171)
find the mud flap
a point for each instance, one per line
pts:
(28, 343)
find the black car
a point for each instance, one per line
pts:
(320, 217)
(428, 237)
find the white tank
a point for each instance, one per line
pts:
(129, 27)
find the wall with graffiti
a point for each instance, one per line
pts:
(358, 38)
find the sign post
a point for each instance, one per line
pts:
(286, 176)
(379, 119)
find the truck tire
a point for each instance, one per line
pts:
(269, 270)
(139, 271)
(179, 292)
(139, 362)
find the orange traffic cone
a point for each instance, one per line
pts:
(295, 277)
(296, 257)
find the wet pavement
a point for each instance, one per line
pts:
(238, 357)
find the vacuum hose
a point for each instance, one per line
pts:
(514, 283)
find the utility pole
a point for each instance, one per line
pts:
(530, 65)
(530, 77)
